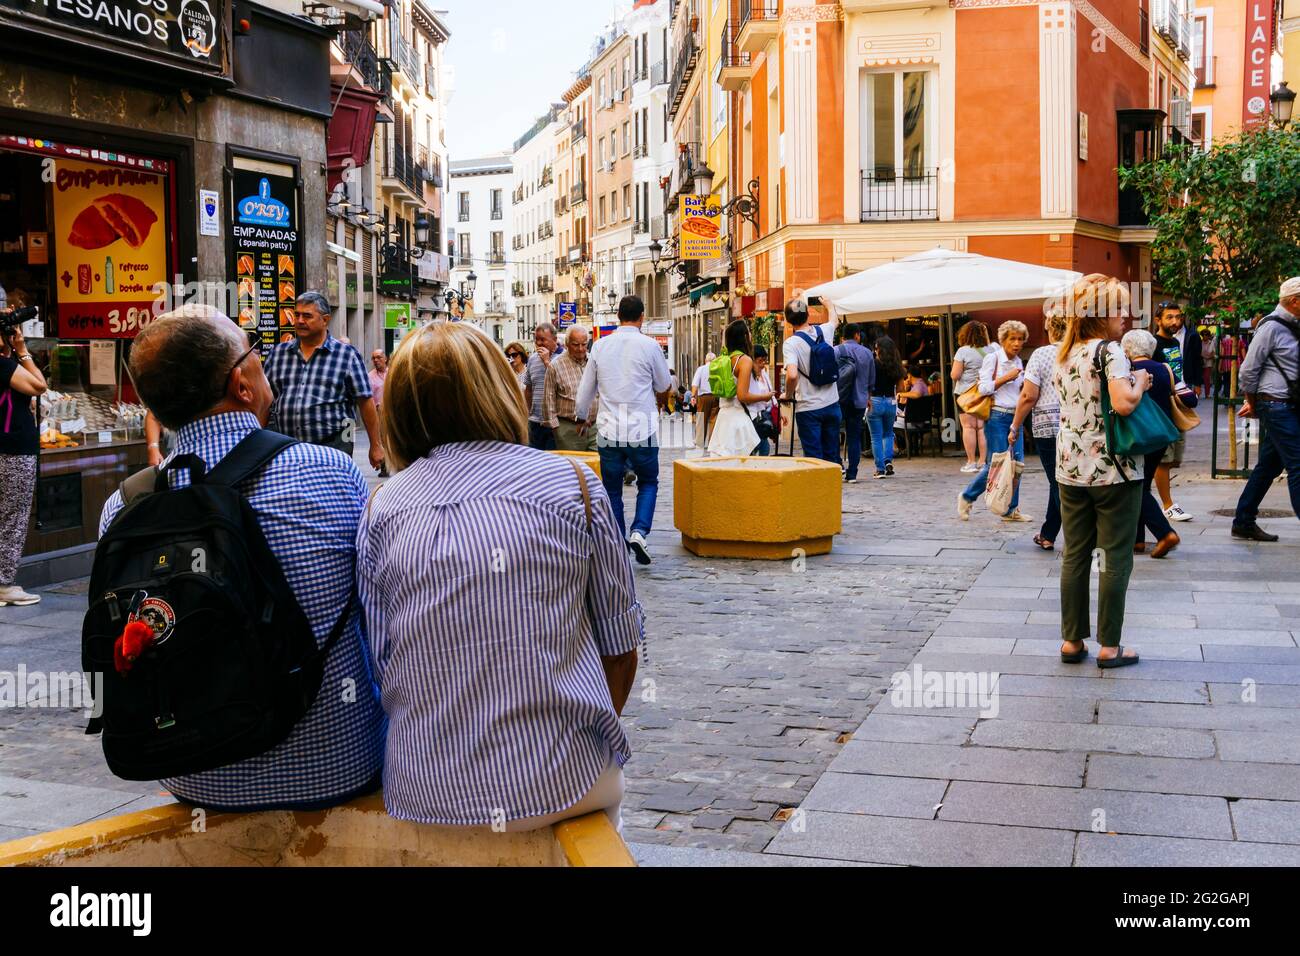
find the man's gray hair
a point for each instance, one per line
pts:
(547, 327)
(576, 331)
(312, 297)
(1138, 344)
(180, 362)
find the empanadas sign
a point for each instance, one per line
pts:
(110, 247)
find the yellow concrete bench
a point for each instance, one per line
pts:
(359, 833)
(589, 458)
(756, 507)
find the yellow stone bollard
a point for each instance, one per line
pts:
(769, 508)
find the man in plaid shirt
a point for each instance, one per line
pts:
(559, 406)
(320, 384)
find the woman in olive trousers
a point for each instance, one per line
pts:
(1101, 495)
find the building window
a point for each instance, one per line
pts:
(627, 137)
(498, 207)
(498, 248)
(600, 219)
(462, 206)
(894, 128)
(627, 201)
(463, 253)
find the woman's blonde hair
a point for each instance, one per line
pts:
(448, 382)
(1012, 327)
(1088, 308)
(1054, 326)
(974, 333)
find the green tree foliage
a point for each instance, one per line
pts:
(1227, 221)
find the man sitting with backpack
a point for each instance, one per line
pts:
(811, 369)
(223, 612)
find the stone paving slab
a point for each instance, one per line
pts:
(1218, 778)
(1104, 850)
(901, 841)
(1267, 821)
(916, 797)
(1065, 808)
(1210, 717)
(948, 762)
(1094, 738)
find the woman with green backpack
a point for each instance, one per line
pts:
(730, 379)
(1104, 434)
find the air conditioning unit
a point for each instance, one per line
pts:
(1180, 114)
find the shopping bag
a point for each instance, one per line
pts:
(1004, 477)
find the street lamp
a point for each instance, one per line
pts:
(656, 253)
(703, 177)
(470, 281)
(422, 230)
(1281, 101)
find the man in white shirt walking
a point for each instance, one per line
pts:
(629, 373)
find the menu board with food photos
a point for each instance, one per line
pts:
(267, 248)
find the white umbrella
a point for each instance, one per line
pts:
(941, 280)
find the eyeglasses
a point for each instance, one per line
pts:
(254, 343)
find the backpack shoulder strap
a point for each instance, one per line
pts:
(586, 492)
(249, 457)
(142, 483)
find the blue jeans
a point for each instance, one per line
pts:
(997, 430)
(643, 460)
(819, 433)
(852, 437)
(1279, 450)
(880, 419)
(1047, 455)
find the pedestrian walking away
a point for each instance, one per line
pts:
(320, 384)
(627, 371)
(1270, 381)
(1001, 376)
(811, 375)
(705, 402)
(1139, 347)
(857, 368)
(1039, 401)
(1101, 493)
(882, 405)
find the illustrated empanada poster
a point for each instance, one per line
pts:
(110, 247)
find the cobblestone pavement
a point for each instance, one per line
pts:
(764, 694)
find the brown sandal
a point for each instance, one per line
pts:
(1044, 543)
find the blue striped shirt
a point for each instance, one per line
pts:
(490, 606)
(308, 502)
(316, 399)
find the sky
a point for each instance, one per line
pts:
(511, 59)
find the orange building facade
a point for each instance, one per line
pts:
(881, 128)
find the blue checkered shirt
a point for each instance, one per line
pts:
(308, 502)
(316, 399)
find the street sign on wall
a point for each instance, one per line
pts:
(1255, 79)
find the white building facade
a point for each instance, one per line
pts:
(532, 250)
(479, 238)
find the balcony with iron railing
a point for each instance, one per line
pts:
(686, 54)
(578, 193)
(641, 73)
(641, 227)
(545, 284)
(890, 196)
(497, 257)
(400, 168)
(407, 61)
(517, 288)
(462, 214)
(546, 230)
(579, 131)
(562, 205)
(1172, 20)
(1206, 72)
(690, 156)
(498, 212)
(659, 73)
(640, 150)
(360, 53)
(758, 24)
(735, 69)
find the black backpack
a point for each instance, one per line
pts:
(232, 664)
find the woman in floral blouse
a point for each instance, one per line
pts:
(1101, 496)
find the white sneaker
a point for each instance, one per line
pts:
(963, 507)
(970, 468)
(636, 541)
(1016, 516)
(1175, 513)
(17, 597)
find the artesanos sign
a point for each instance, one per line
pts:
(190, 33)
(1259, 49)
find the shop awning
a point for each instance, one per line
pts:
(700, 291)
(942, 280)
(350, 132)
